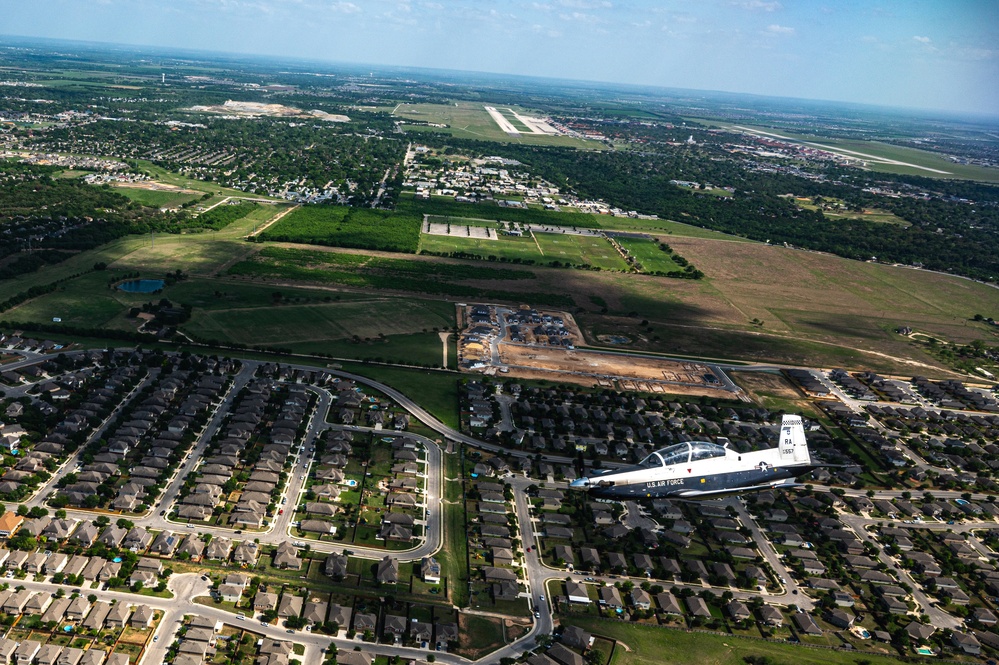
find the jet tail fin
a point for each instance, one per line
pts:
(792, 445)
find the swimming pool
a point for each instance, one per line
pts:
(142, 286)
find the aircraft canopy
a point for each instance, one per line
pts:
(682, 453)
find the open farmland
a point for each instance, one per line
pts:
(348, 227)
(815, 308)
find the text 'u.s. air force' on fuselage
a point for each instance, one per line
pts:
(698, 469)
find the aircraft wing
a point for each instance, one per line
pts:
(711, 494)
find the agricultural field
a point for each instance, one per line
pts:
(470, 120)
(649, 255)
(348, 227)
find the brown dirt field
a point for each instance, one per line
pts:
(515, 628)
(773, 385)
(632, 373)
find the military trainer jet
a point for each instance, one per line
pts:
(698, 469)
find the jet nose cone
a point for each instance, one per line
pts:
(580, 483)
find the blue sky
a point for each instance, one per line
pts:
(936, 54)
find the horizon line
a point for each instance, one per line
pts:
(600, 84)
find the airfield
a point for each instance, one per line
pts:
(476, 121)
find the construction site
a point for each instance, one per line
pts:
(536, 344)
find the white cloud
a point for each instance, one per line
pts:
(759, 5)
(586, 4)
(922, 40)
(775, 29)
(580, 17)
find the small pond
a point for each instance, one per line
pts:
(142, 285)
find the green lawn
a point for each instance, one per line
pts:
(157, 198)
(648, 644)
(452, 556)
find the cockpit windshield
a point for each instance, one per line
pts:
(678, 454)
(701, 450)
(653, 461)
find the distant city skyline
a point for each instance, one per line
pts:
(929, 54)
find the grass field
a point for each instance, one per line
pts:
(426, 276)
(470, 120)
(648, 644)
(341, 226)
(318, 323)
(648, 254)
(387, 328)
(580, 250)
(157, 198)
(868, 215)
(508, 247)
